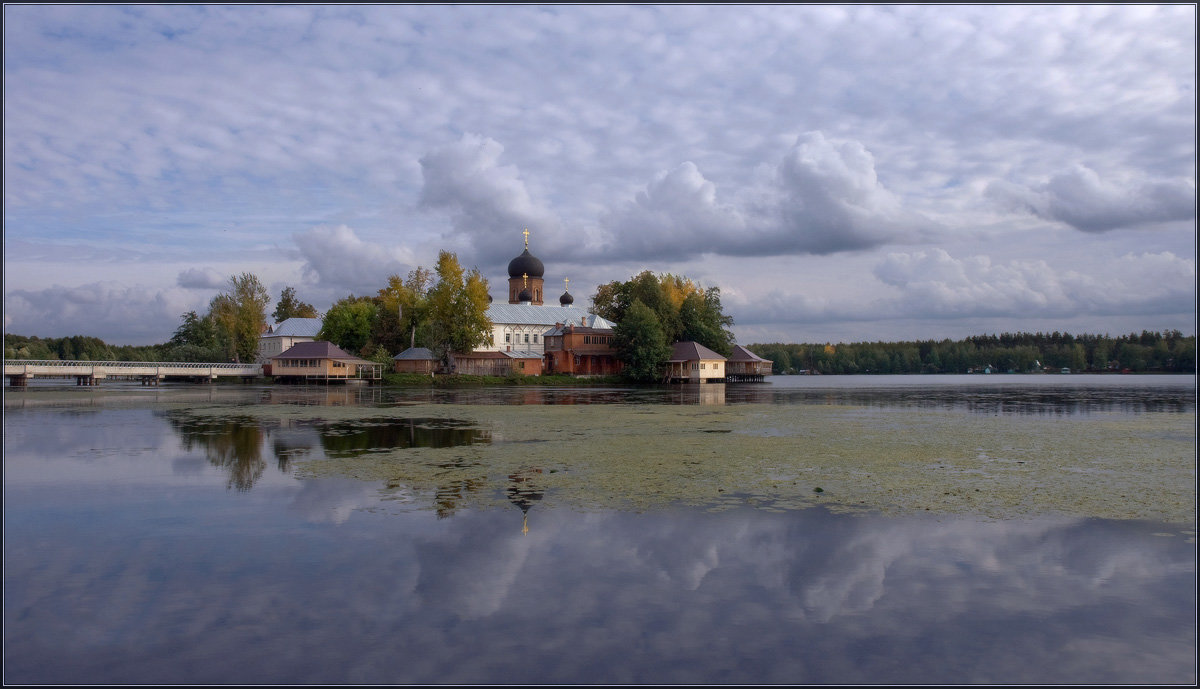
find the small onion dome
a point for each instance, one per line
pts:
(526, 264)
(566, 299)
(525, 295)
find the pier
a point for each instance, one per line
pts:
(18, 372)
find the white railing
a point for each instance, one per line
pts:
(62, 363)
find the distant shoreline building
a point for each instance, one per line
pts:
(520, 327)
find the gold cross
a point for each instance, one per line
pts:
(525, 277)
(526, 233)
(566, 284)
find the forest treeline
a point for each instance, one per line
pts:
(1170, 351)
(79, 348)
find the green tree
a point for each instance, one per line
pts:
(290, 306)
(240, 316)
(403, 311)
(457, 309)
(684, 309)
(640, 343)
(349, 323)
(196, 330)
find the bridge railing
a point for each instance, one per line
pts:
(62, 363)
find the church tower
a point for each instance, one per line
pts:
(525, 277)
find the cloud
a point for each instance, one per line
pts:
(112, 311)
(335, 257)
(201, 278)
(1081, 199)
(488, 202)
(824, 197)
(932, 284)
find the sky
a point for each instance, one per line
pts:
(842, 173)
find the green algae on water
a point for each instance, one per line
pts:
(780, 457)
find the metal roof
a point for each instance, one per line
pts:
(315, 350)
(740, 353)
(532, 314)
(692, 351)
(416, 354)
(522, 354)
(295, 327)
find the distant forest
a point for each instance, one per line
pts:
(1168, 352)
(82, 348)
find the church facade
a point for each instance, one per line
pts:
(522, 325)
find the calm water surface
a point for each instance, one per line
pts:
(170, 536)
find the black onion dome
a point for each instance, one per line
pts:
(526, 264)
(525, 295)
(566, 299)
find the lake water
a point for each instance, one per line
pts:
(824, 529)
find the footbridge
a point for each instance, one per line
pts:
(19, 371)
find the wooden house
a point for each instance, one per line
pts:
(744, 365)
(415, 360)
(578, 350)
(278, 338)
(322, 361)
(484, 363)
(692, 362)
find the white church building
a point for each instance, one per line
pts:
(522, 323)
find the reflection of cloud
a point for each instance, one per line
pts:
(332, 500)
(487, 566)
(664, 597)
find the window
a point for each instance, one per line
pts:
(507, 338)
(535, 338)
(526, 338)
(701, 367)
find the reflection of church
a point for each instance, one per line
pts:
(526, 326)
(523, 492)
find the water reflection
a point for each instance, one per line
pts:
(1008, 394)
(523, 491)
(236, 443)
(672, 597)
(233, 444)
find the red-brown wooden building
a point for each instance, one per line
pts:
(577, 350)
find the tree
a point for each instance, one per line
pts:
(196, 339)
(640, 343)
(240, 316)
(403, 310)
(457, 309)
(681, 307)
(349, 323)
(291, 307)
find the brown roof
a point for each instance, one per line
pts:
(692, 351)
(315, 350)
(740, 353)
